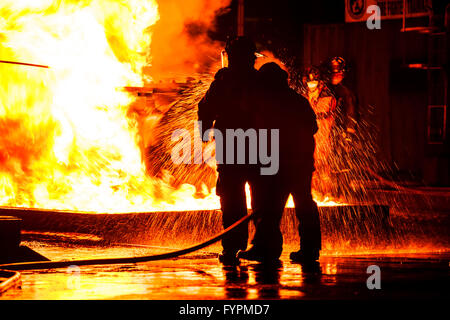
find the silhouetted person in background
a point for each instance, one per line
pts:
(284, 109)
(347, 106)
(229, 104)
(324, 105)
(344, 130)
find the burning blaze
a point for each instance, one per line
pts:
(67, 140)
(72, 136)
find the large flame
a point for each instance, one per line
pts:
(67, 137)
(66, 140)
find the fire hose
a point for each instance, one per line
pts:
(107, 261)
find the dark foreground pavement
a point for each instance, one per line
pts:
(199, 276)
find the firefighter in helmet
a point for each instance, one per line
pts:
(346, 100)
(229, 104)
(345, 128)
(288, 112)
(323, 103)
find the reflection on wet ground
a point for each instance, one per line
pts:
(199, 276)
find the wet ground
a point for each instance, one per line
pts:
(199, 276)
(413, 257)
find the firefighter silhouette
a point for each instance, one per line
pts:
(324, 105)
(345, 128)
(229, 104)
(347, 111)
(289, 112)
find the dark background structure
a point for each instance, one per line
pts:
(400, 76)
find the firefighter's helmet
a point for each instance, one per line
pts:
(311, 78)
(240, 46)
(312, 74)
(337, 65)
(272, 74)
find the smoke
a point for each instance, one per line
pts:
(180, 44)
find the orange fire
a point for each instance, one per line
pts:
(66, 141)
(67, 138)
